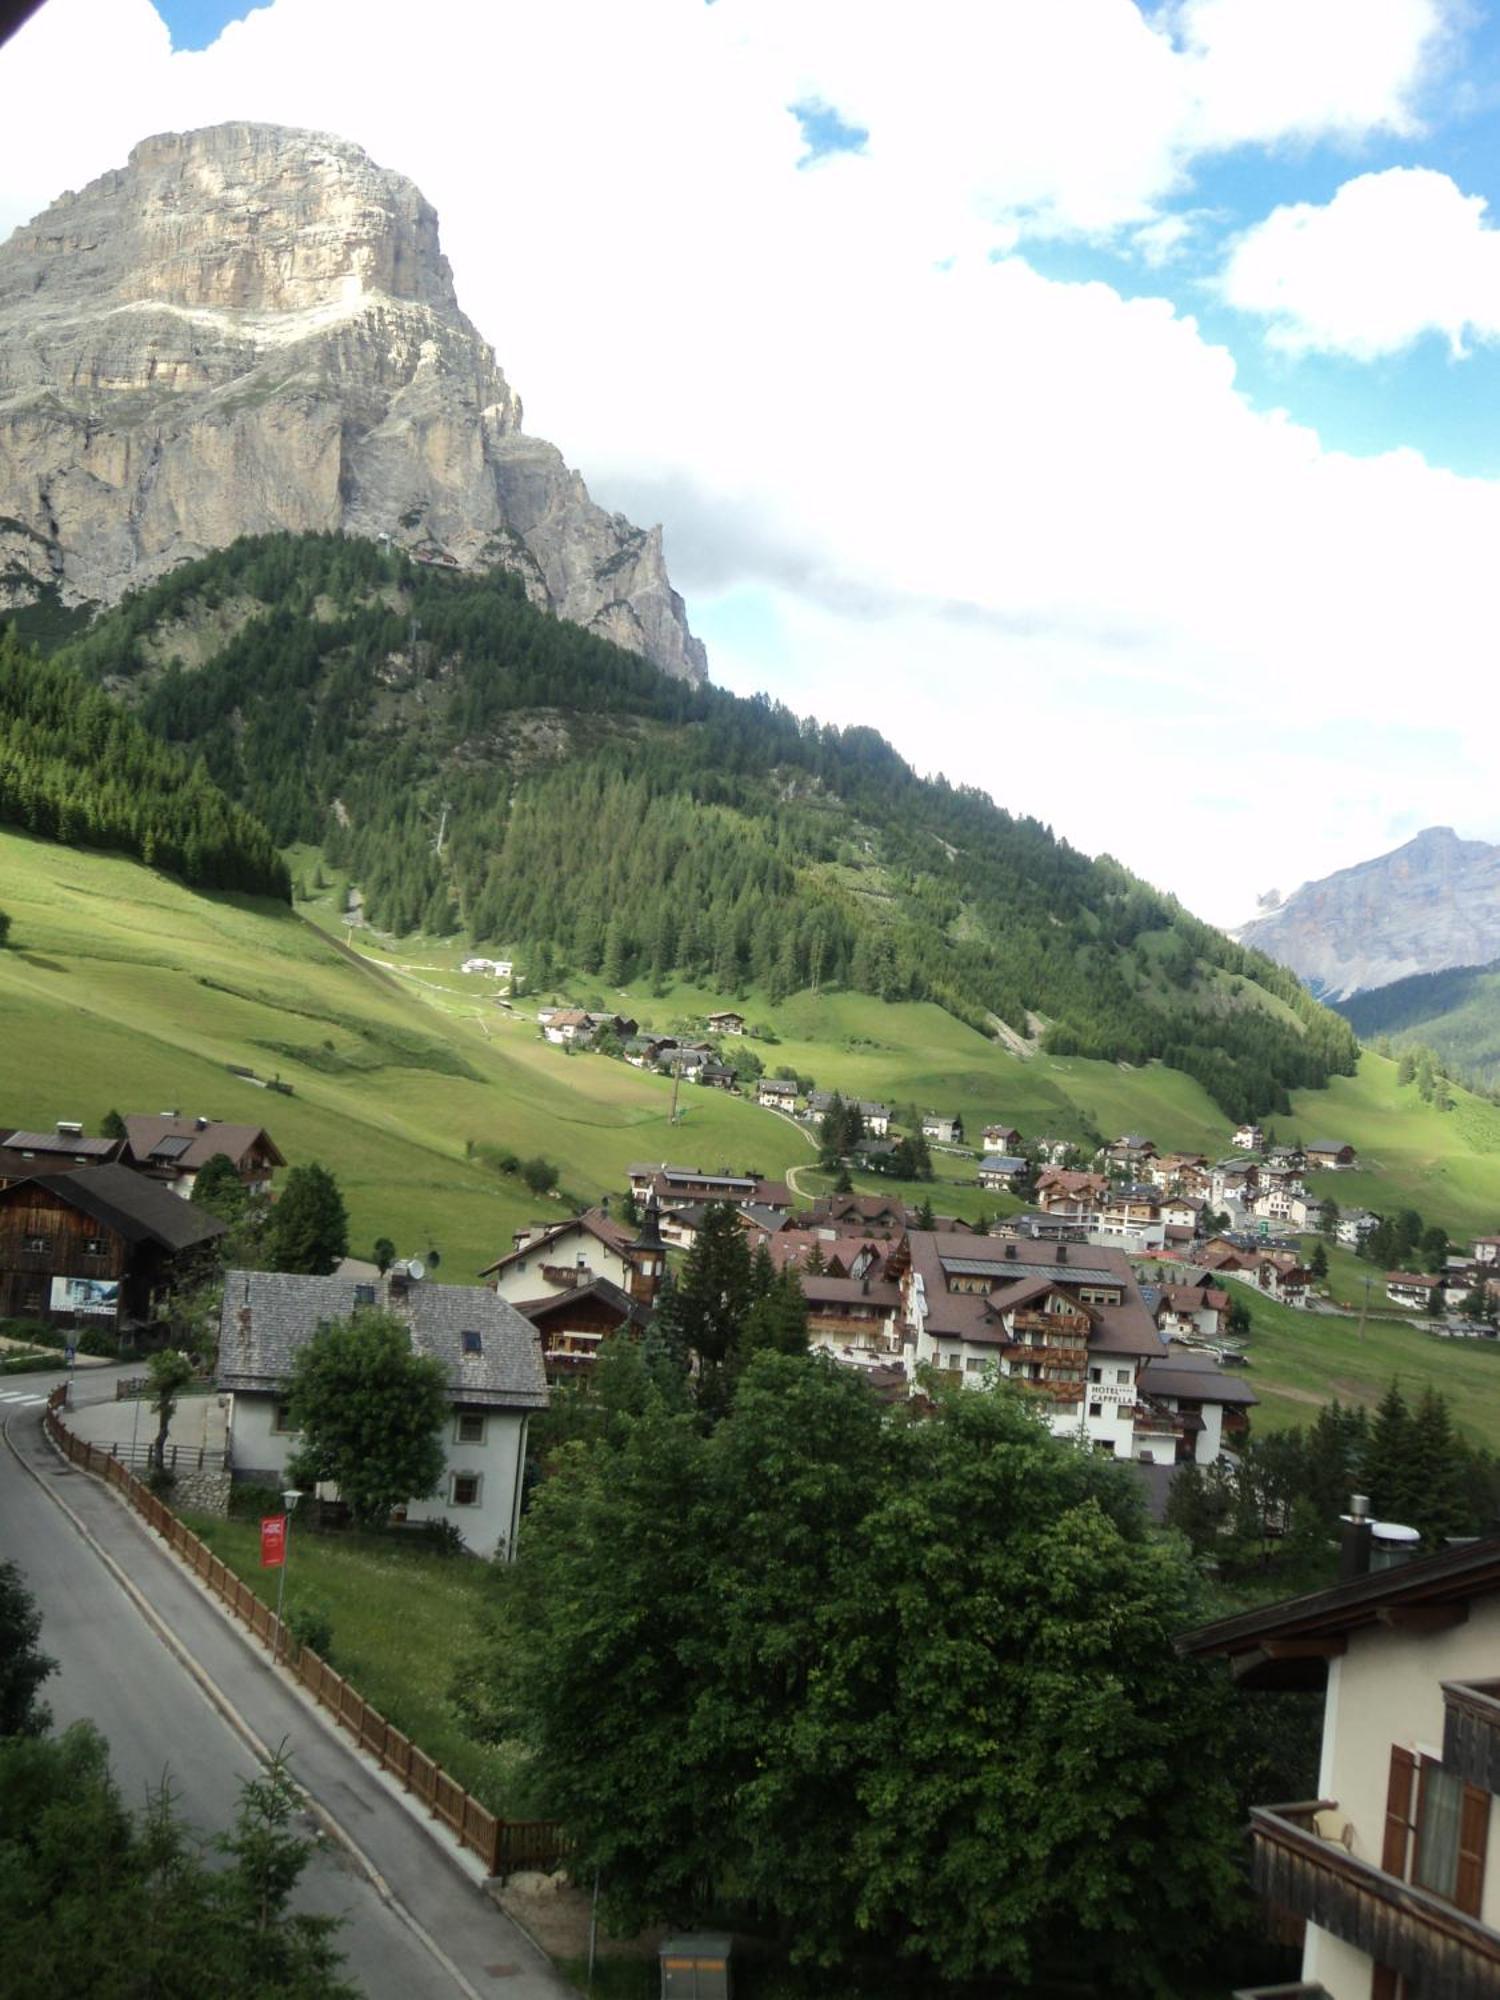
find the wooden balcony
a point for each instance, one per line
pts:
(1444, 1954)
(1471, 1732)
(1062, 1329)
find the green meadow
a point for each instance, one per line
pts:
(120, 988)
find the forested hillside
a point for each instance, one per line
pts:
(77, 768)
(599, 817)
(1456, 1013)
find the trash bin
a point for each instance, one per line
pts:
(696, 1967)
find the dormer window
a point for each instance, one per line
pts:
(471, 1342)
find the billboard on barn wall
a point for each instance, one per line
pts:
(97, 1296)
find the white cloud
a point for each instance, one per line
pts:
(1028, 528)
(1270, 70)
(1392, 257)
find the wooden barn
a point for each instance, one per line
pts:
(95, 1247)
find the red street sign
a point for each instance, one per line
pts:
(272, 1541)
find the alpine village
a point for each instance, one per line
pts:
(644, 1353)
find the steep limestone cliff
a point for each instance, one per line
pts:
(1431, 904)
(247, 329)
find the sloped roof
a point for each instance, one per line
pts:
(1195, 1378)
(146, 1134)
(594, 1222)
(601, 1289)
(141, 1210)
(269, 1315)
(1021, 1269)
(64, 1145)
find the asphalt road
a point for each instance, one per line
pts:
(438, 1934)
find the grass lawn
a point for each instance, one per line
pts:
(403, 1619)
(1301, 1360)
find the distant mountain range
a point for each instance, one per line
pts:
(1428, 907)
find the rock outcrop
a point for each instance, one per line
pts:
(1430, 905)
(247, 329)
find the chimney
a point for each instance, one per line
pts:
(201, 1123)
(69, 1128)
(1354, 1545)
(1010, 1251)
(1062, 1253)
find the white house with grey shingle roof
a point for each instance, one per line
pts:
(492, 1356)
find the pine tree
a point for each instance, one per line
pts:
(1388, 1464)
(309, 1229)
(1436, 1474)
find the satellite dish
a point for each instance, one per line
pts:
(415, 1268)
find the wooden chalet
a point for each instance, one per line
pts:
(95, 1246)
(573, 1324)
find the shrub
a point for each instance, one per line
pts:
(160, 1481)
(35, 1332)
(539, 1174)
(248, 1500)
(441, 1538)
(312, 1625)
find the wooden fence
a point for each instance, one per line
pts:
(503, 1845)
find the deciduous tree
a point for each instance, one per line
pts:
(832, 1695)
(371, 1414)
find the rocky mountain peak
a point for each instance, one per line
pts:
(250, 328)
(1427, 906)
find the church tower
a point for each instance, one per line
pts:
(647, 1256)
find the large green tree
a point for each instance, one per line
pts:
(23, 1665)
(309, 1226)
(904, 1684)
(371, 1413)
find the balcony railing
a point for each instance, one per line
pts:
(1471, 1732)
(1442, 1952)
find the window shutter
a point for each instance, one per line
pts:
(1398, 1801)
(1473, 1833)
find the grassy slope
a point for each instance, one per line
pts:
(1445, 1164)
(101, 1004)
(916, 1053)
(1299, 1360)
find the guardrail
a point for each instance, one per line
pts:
(503, 1845)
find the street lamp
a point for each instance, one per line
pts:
(289, 1500)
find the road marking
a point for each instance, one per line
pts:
(15, 1396)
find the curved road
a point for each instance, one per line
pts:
(433, 1933)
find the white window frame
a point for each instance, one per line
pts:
(469, 1417)
(462, 1472)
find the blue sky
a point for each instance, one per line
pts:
(194, 24)
(1101, 399)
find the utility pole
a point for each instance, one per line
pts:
(437, 845)
(676, 1082)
